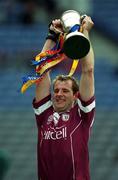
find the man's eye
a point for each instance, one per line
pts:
(56, 91)
(65, 90)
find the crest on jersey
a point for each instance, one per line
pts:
(65, 117)
(54, 117)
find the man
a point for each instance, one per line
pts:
(64, 118)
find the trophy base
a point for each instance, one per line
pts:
(76, 45)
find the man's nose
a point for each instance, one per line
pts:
(60, 92)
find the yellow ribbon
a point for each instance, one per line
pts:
(50, 65)
(27, 84)
(74, 67)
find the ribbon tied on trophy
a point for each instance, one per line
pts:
(73, 44)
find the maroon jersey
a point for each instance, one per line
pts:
(63, 140)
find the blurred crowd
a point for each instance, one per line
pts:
(27, 11)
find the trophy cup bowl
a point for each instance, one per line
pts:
(76, 45)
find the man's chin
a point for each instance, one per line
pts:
(59, 108)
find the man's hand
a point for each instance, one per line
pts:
(56, 26)
(87, 23)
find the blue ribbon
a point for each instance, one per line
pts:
(75, 28)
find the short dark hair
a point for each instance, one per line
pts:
(75, 84)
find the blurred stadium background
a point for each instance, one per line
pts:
(23, 27)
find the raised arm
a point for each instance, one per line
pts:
(43, 88)
(86, 87)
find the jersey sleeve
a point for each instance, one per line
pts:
(40, 108)
(87, 110)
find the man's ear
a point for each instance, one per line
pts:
(76, 95)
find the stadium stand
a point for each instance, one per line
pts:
(105, 15)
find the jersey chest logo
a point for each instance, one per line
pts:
(65, 117)
(55, 118)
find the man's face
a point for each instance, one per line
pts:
(63, 97)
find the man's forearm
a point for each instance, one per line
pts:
(48, 45)
(87, 76)
(87, 62)
(43, 88)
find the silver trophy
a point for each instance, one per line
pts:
(76, 45)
